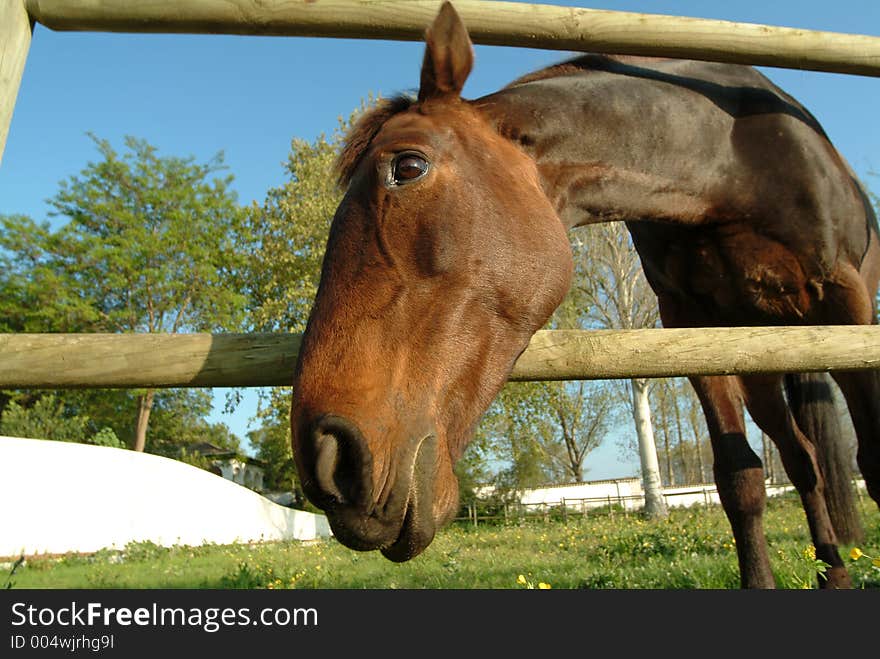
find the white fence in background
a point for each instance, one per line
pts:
(59, 497)
(629, 494)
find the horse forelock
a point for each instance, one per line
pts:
(361, 134)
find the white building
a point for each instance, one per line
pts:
(61, 497)
(247, 472)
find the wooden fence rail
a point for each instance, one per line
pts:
(202, 360)
(66, 361)
(496, 23)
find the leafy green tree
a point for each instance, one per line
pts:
(287, 236)
(148, 246)
(105, 417)
(178, 422)
(271, 444)
(517, 435)
(34, 295)
(46, 418)
(284, 244)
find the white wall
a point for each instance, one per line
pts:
(57, 497)
(598, 491)
(619, 490)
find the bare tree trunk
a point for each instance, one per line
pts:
(769, 458)
(702, 467)
(686, 469)
(765, 457)
(655, 505)
(145, 406)
(664, 422)
(695, 426)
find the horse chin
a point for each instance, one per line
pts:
(417, 530)
(409, 532)
(416, 534)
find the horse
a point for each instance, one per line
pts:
(450, 249)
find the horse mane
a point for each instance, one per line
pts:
(358, 139)
(586, 62)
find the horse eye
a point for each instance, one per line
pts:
(408, 167)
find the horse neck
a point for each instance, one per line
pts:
(634, 139)
(596, 163)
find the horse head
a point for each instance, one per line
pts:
(443, 259)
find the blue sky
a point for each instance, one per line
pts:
(249, 96)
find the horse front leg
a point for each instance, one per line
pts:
(739, 476)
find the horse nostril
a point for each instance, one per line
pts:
(326, 459)
(342, 463)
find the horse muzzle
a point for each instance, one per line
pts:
(397, 518)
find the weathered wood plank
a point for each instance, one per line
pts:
(146, 360)
(498, 23)
(229, 360)
(15, 41)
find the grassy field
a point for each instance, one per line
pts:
(691, 549)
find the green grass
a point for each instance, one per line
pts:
(691, 549)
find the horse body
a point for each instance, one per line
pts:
(742, 213)
(693, 144)
(449, 251)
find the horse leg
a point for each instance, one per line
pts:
(739, 476)
(852, 301)
(767, 405)
(861, 389)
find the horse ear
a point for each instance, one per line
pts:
(449, 55)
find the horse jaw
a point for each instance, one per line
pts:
(419, 525)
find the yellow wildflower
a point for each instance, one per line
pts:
(855, 553)
(544, 586)
(521, 580)
(810, 552)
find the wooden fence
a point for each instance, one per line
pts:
(496, 23)
(509, 512)
(59, 361)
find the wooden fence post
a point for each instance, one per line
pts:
(16, 29)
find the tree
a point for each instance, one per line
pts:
(614, 294)
(34, 296)
(284, 245)
(517, 432)
(583, 411)
(684, 458)
(286, 236)
(271, 443)
(46, 418)
(148, 246)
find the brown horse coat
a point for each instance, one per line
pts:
(449, 251)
